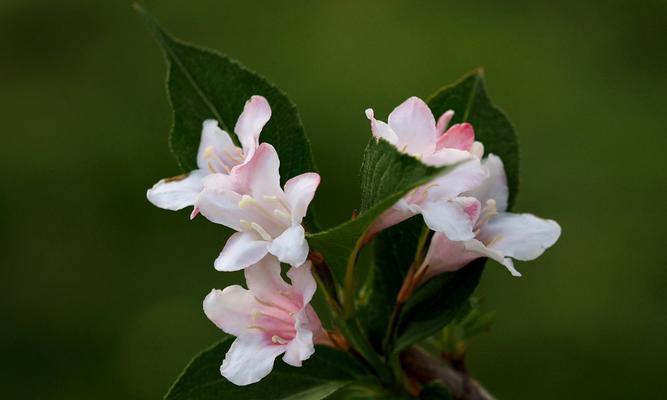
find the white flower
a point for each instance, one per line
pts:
(269, 319)
(217, 154)
(267, 218)
(499, 235)
(412, 129)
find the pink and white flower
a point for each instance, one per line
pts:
(499, 235)
(266, 217)
(269, 318)
(217, 154)
(412, 129)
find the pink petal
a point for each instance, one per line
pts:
(230, 309)
(256, 113)
(301, 347)
(299, 192)
(303, 282)
(260, 176)
(242, 250)
(446, 255)
(266, 284)
(459, 136)
(443, 121)
(413, 123)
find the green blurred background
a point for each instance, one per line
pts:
(101, 292)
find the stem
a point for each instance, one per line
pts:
(409, 284)
(425, 368)
(348, 325)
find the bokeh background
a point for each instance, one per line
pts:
(101, 292)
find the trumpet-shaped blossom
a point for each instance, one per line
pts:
(266, 217)
(217, 154)
(412, 129)
(269, 318)
(499, 235)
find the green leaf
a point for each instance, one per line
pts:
(387, 175)
(437, 303)
(395, 248)
(470, 102)
(326, 372)
(204, 84)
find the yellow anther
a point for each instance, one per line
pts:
(262, 232)
(255, 314)
(270, 198)
(245, 225)
(246, 201)
(278, 340)
(281, 214)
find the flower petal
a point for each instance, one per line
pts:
(217, 152)
(220, 205)
(461, 179)
(413, 123)
(392, 216)
(249, 359)
(256, 113)
(478, 247)
(301, 347)
(446, 255)
(459, 136)
(521, 236)
(291, 246)
(443, 121)
(299, 192)
(494, 186)
(380, 129)
(260, 176)
(303, 282)
(452, 217)
(242, 250)
(264, 281)
(176, 194)
(230, 309)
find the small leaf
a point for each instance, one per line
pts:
(437, 303)
(204, 84)
(326, 372)
(387, 175)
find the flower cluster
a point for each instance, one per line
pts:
(239, 187)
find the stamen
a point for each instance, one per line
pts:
(245, 225)
(255, 314)
(233, 157)
(488, 212)
(278, 340)
(246, 201)
(494, 240)
(270, 198)
(281, 214)
(262, 232)
(259, 328)
(209, 153)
